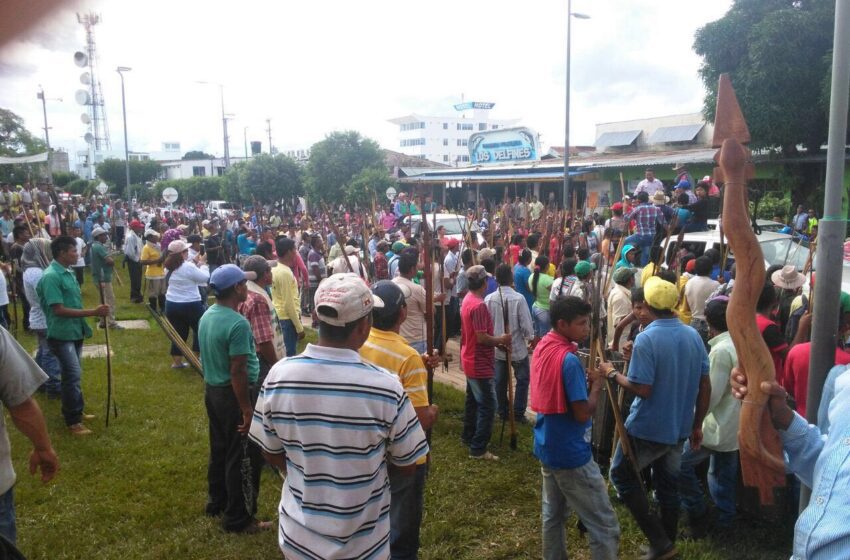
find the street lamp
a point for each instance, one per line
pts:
(121, 70)
(223, 123)
(40, 95)
(570, 14)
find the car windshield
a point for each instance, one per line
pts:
(452, 225)
(785, 251)
(224, 206)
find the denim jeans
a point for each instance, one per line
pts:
(406, 506)
(290, 337)
(419, 346)
(478, 414)
(642, 242)
(665, 461)
(521, 374)
(49, 364)
(722, 482)
(70, 353)
(7, 516)
(542, 324)
(184, 316)
(584, 491)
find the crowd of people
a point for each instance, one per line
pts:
(527, 289)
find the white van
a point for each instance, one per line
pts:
(220, 208)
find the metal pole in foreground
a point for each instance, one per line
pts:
(224, 128)
(567, 115)
(40, 95)
(121, 70)
(831, 228)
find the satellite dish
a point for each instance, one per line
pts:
(102, 187)
(82, 97)
(85, 78)
(89, 137)
(81, 59)
(169, 195)
(85, 118)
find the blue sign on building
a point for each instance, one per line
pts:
(503, 146)
(474, 105)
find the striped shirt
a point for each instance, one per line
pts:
(338, 419)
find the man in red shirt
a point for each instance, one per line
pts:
(477, 357)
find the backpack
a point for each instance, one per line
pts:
(794, 320)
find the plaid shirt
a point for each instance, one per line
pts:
(645, 217)
(381, 267)
(258, 314)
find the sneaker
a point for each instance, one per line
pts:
(487, 456)
(88, 416)
(180, 365)
(116, 327)
(79, 430)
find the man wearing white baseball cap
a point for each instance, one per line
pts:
(336, 421)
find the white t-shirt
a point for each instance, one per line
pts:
(81, 260)
(183, 283)
(697, 290)
(4, 294)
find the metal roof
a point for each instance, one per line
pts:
(471, 176)
(614, 139)
(682, 133)
(705, 155)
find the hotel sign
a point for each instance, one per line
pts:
(474, 105)
(503, 146)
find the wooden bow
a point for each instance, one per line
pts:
(761, 449)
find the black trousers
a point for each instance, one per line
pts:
(135, 270)
(227, 485)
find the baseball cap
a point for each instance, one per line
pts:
(660, 294)
(343, 298)
(98, 231)
(486, 253)
(398, 246)
(205, 223)
(476, 272)
(149, 232)
(622, 274)
(683, 184)
(392, 296)
(617, 206)
(255, 266)
(136, 223)
(177, 246)
(226, 276)
(583, 268)
(452, 243)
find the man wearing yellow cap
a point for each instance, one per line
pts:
(668, 374)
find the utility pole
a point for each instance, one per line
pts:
(269, 130)
(40, 95)
(245, 139)
(121, 70)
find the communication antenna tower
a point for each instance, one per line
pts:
(98, 127)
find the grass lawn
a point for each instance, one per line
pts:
(137, 489)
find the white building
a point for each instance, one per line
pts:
(670, 132)
(445, 139)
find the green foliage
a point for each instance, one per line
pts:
(774, 203)
(336, 161)
(776, 52)
(15, 139)
(197, 154)
(229, 189)
(370, 183)
(193, 189)
(62, 178)
(80, 186)
(112, 171)
(268, 178)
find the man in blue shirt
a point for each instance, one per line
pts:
(521, 275)
(571, 478)
(669, 374)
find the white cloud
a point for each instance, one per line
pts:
(314, 67)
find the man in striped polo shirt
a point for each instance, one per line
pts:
(386, 348)
(333, 421)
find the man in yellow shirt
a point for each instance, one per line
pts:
(285, 296)
(151, 259)
(386, 348)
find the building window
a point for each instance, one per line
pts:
(445, 126)
(199, 171)
(494, 127)
(412, 126)
(462, 142)
(482, 126)
(463, 158)
(412, 142)
(446, 157)
(445, 141)
(464, 126)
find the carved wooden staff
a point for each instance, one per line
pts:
(761, 449)
(428, 281)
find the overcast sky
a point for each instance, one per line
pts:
(315, 67)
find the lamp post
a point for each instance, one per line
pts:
(223, 123)
(40, 95)
(245, 139)
(570, 14)
(121, 70)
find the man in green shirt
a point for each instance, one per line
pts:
(102, 267)
(231, 370)
(62, 303)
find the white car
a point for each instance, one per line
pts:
(455, 225)
(220, 208)
(765, 225)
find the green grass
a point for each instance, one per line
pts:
(137, 489)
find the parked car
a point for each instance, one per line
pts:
(765, 225)
(455, 225)
(220, 208)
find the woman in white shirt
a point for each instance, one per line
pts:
(183, 303)
(35, 258)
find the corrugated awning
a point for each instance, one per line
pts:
(683, 133)
(473, 177)
(617, 139)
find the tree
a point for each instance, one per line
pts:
(63, 178)
(141, 171)
(336, 160)
(197, 154)
(193, 189)
(269, 178)
(778, 55)
(368, 185)
(15, 139)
